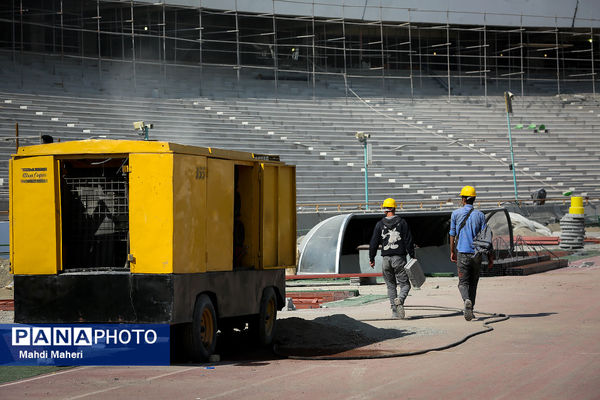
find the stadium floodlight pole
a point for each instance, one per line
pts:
(508, 101)
(363, 138)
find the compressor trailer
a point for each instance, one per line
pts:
(116, 231)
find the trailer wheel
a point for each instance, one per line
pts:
(263, 325)
(204, 328)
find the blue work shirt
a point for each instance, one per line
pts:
(474, 224)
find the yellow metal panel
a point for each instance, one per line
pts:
(11, 238)
(287, 216)
(269, 211)
(96, 147)
(108, 146)
(34, 216)
(219, 215)
(278, 211)
(189, 197)
(151, 213)
(248, 189)
(59, 230)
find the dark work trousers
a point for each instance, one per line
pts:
(394, 275)
(469, 266)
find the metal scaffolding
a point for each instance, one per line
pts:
(468, 59)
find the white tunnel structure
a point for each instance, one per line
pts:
(339, 245)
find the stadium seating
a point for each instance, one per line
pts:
(424, 148)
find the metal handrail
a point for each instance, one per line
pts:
(437, 204)
(519, 241)
(423, 204)
(505, 246)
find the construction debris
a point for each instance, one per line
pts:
(523, 226)
(5, 276)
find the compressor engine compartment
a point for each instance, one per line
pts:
(94, 197)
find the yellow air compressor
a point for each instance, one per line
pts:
(117, 231)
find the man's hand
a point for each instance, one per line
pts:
(452, 250)
(372, 264)
(453, 256)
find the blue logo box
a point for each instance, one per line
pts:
(84, 344)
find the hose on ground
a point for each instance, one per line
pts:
(491, 318)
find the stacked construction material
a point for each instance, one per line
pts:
(572, 226)
(316, 298)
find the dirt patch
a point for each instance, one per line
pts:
(554, 227)
(329, 335)
(6, 293)
(336, 334)
(5, 275)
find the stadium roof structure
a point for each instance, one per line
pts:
(566, 13)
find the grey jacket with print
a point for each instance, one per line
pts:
(394, 237)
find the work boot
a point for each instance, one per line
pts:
(468, 310)
(399, 307)
(395, 314)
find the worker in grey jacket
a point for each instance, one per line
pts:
(396, 242)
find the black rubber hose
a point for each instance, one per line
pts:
(455, 311)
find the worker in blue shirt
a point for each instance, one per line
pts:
(461, 250)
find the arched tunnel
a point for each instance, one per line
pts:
(339, 244)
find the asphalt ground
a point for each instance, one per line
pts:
(548, 349)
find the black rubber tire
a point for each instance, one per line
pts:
(204, 329)
(263, 325)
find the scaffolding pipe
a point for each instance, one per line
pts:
(200, 47)
(21, 32)
(592, 59)
(557, 56)
(314, 78)
(62, 33)
(275, 55)
(99, 38)
(133, 47)
(485, 46)
(237, 48)
(521, 52)
(410, 51)
(164, 47)
(381, 47)
(14, 33)
(448, 52)
(344, 52)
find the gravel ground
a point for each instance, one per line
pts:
(7, 317)
(5, 276)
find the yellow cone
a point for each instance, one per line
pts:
(576, 205)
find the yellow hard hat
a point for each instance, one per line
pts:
(389, 203)
(468, 191)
